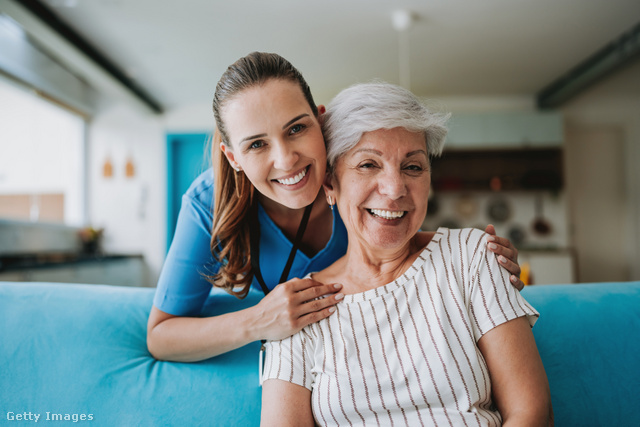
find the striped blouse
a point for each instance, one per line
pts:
(405, 353)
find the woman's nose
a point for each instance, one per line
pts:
(392, 185)
(285, 156)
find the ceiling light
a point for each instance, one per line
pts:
(402, 19)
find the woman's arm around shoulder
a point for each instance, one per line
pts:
(191, 339)
(519, 383)
(285, 404)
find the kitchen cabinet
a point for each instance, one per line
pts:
(499, 169)
(549, 267)
(505, 130)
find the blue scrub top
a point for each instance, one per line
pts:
(182, 289)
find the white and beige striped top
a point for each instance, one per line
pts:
(405, 353)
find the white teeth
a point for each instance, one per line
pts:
(387, 214)
(296, 179)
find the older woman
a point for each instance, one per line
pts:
(429, 331)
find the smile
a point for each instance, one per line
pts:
(387, 214)
(294, 179)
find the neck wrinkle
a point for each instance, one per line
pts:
(365, 271)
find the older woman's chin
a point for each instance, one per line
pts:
(389, 236)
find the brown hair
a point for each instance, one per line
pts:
(234, 193)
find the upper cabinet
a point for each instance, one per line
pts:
(505, 130)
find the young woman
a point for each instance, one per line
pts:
(264, 223)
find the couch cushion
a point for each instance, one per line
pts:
(589, 340)
(81, 349)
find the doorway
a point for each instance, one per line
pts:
(188, 155)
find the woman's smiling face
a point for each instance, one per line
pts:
(277, 141)
(381, 188)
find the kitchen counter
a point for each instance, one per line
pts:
(106, 269)
(50, 260)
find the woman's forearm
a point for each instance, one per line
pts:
(191, 339)
(288, 308)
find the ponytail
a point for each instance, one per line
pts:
(230, 246)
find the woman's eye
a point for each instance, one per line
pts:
(415, 168)
(296, 128)
(367, 165)
(256, 144)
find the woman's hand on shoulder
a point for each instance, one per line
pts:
(507, 255)
(294, 304)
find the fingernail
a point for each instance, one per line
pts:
(332, 309)
(502, 259)
(339, 296)
(337, 286)
(513, 279)
(493, 246)
(490, 238)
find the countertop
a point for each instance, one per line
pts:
(49, 260)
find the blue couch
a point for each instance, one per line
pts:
(78, 353)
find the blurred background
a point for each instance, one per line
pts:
(105, 115)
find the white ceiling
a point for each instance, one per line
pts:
(177, 50)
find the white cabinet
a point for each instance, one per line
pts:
(549, 267)
(505, 130)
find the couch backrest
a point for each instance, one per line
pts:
(588, 336)
(74, 350)
(81, 349)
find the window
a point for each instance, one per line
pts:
(42, 150)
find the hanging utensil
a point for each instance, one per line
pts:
(517, 235)
(466, 207)
(540, 225)
(499, 210)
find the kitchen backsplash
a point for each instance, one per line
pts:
(531, 219)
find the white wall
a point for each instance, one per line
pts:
(598, 206)
(612, 107)
(42, 147)
(132, 210)
(190, 118)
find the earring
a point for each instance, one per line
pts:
(330, 200)
(237, 169)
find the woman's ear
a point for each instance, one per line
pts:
(327, 185)
(321, 111)
(228, 153)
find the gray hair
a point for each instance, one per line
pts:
(367, 107)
